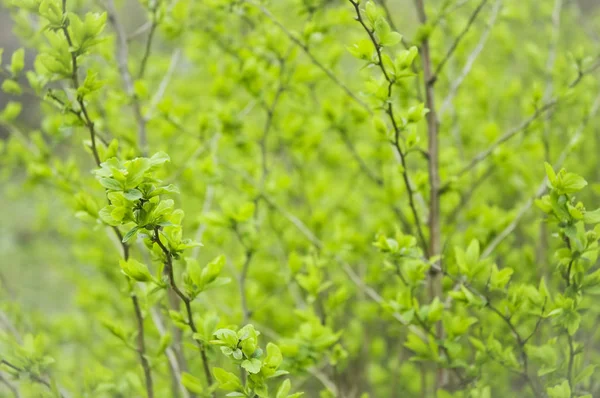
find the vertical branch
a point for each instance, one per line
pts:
(174, 362)
(542, 245)
(389, 110)
(13, 389)
(122, 57)
(435, 279)
(85, 117)
(148, 46)
(186, 301)
(141, 347)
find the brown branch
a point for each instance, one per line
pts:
(435, 238)
(310, 55)
(186, 301)
(13, 389)
(33, 377)
(148, 46)
(457, 81)
(141, 346)
(481, 156)
(397, 130)
(122, 56)
(92, 130)
(456, 42)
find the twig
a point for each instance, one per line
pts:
(141, 346)
(33, 377)
(122, 56)
(208, 198)
(543, 186)
(148, 46)
(457, 82)
(435, 234)
(481, 156)
(164, 83)
(359, 160)
(186, 301)
(310, 55)
(457, 41)
(140, 31)
(170, 353)
(572, 355)
(389, 110)
(11, 387)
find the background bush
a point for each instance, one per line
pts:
(367, 211)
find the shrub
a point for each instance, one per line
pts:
(360, 205)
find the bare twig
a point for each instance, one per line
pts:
(170, 353)
(435, 235)
(543, 186)
(457, 41)
(481, 156)
(186, 301)
(359, 160)
(32, 376)
(389, 110)
(164, 83)
(332, 76)
(148, 46)
(457, 81)
(141, 346)
(122, 56)
(13, 389)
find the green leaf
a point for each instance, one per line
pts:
(11, 111)
(110, 183)
(10, 86)
(131, 233)
(592, 217)
(550, 172)
(363, 49)
(372, 11)
(560, 391)
(284, 389)
(135, 270)
(227, 381)
(252, 365)
(133, 194)
(192, 383)
(390, 39)
(159, 159)
(17, 62)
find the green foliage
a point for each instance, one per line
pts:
(359, 193)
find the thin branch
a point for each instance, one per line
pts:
(140, 31)
(186, 301)
(359, 160)
(572, 354)
(141, 347)
(33, 377)
(122, 56)
(457, 81)
(310, 55)
(148, 46)
(481, 156)
(270, 110)
(170, 353)
(457, 41)
(397, 130)
(164, 83)
(543, 186)
(466, 197)
(13, 389)
(208, 199)
(434, 221)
